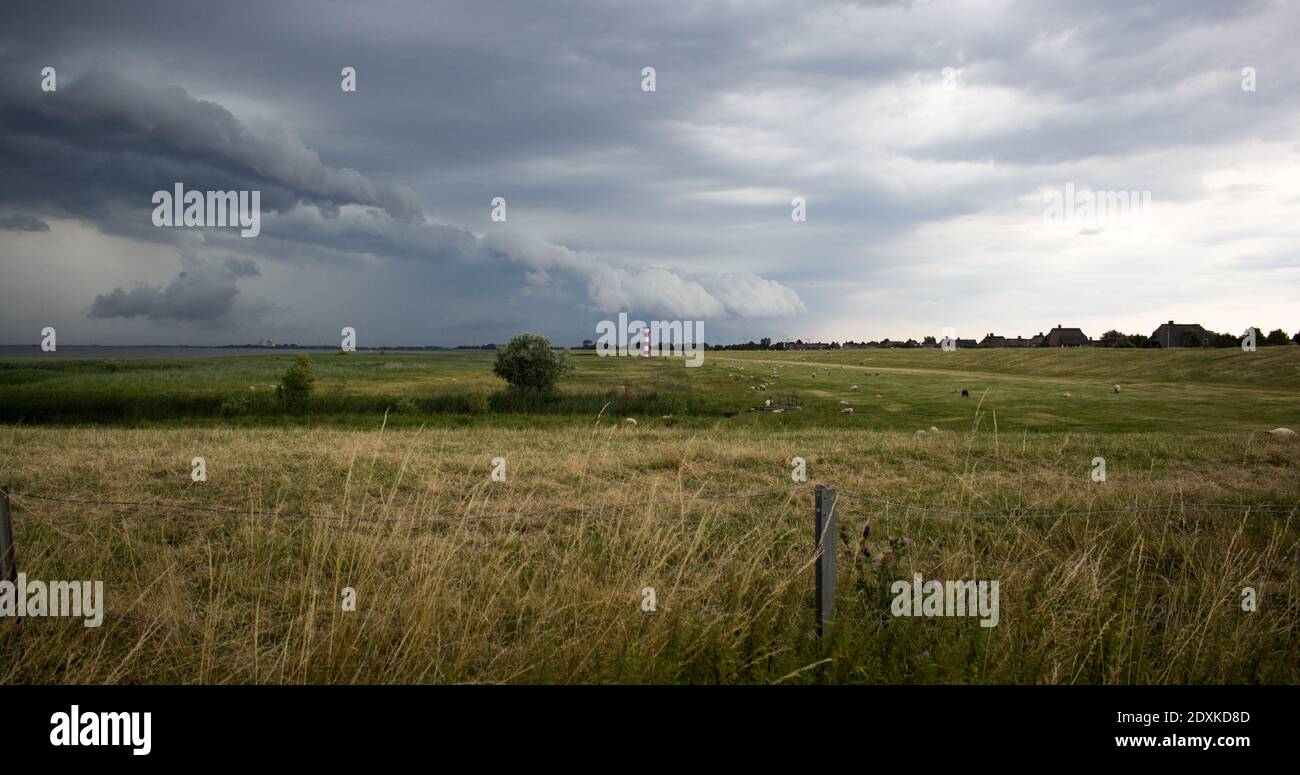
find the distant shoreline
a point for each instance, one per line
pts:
(193, 351)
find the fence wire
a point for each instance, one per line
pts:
(909, 509)
(416, 519)
(850, 618)
(1011, 513)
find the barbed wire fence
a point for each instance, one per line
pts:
(825, 529)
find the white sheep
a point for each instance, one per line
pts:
(847, 410)
(629, 421)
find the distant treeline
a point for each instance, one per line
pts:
(1111, 338)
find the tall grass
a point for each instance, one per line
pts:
(455, 583)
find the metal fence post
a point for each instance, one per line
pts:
(826, 553)
(8, 558)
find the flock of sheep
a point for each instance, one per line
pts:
(847, 409)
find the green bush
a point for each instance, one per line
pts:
(529, 364)
(235, 406)
(297, 384)
(478, 402)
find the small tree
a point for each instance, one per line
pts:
(1111, 338)
(1276, 336)
(1224, 340)
(529, 364)
(297, 384)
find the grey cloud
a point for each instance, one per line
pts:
(200, 293)
(22, 222)
(241, 267)
(103, 138)
(612, 286)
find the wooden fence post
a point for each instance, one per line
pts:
(8, 558)
(826, 553)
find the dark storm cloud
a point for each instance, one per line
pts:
(675, 202)
(138, 139)
(102, 138)
(21, 222)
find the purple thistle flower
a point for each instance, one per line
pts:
(866, 532)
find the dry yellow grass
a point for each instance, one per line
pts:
(454, 584)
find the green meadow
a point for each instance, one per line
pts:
(1012, 390)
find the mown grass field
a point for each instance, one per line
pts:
(539, 578)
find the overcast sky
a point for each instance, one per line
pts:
(925, 137)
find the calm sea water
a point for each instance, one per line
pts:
(120, 353)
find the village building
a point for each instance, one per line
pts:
(1173, 334)
(993, 340)
(1065, 337)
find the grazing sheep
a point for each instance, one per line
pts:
(933, 429)
(1117, 388)
(844, 403)
(965, 393)
(847, 410)
(767, 402)
(778, 411)
(853, 389)
(1067, 395)
(629, 421)
(878, 395)
(1281, 432)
